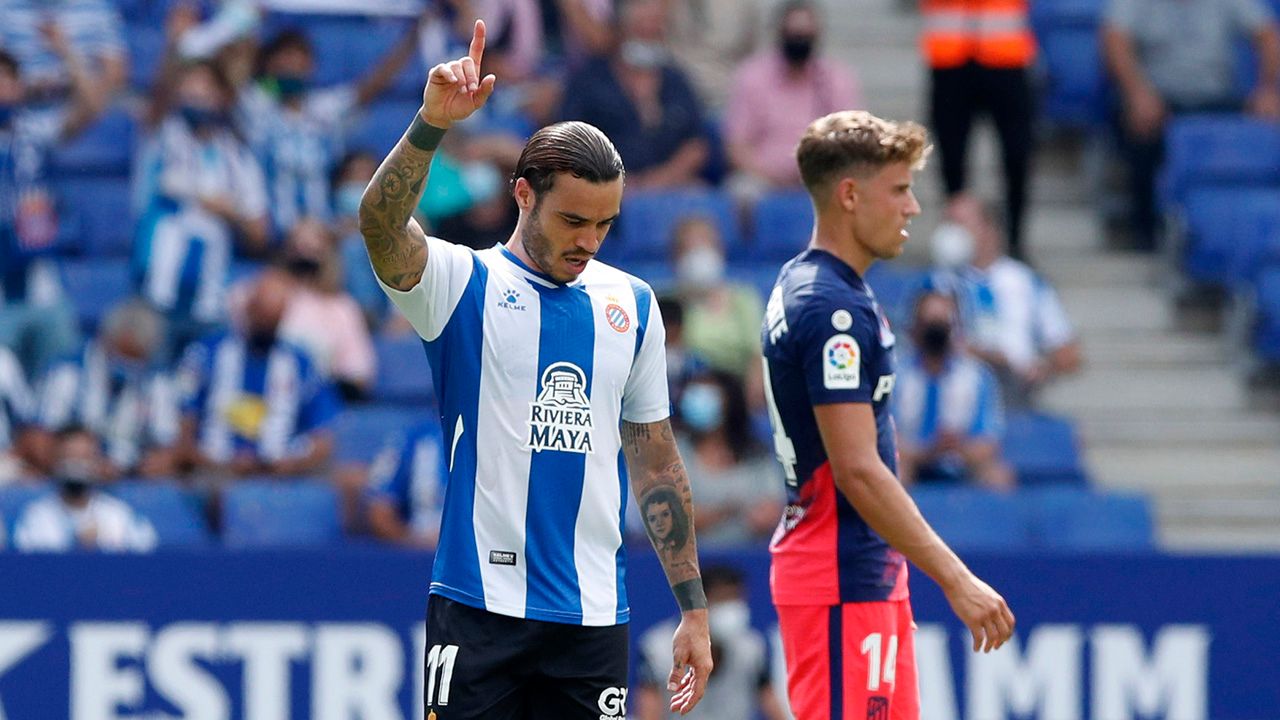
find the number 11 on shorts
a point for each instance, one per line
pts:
(440, 660)
(877, 671)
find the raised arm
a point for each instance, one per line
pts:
(396, 243)
(661, 487)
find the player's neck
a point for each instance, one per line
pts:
(516, 245)
(843, 245)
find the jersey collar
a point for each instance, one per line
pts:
(541, 277)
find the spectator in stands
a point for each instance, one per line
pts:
(17, 405)
(195, 38)
(119, 390)
(740, 686)
(199, 189)
(947, 405)
(739, 488)
(55, 42)
(1011, 316)
(574, 30)
(36, 320)
(78, 515)
(643, 102)
(253, 403)
(467, 202)
(721, 317)
(682, 362)
(352, 175)
(296, 130)
(980, 54)
(1168, 59)
(710, 39)
(800, 85)
(406, 487)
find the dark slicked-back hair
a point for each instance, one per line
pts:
(568, 147)
(855, 143)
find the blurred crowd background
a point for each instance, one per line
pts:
(194, 350)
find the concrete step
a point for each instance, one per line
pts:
(1154, 431)
(1218, 539)
(1139, 350)
(1071, 268)
(1132, 308)
(1156, 389)
(1187, 471)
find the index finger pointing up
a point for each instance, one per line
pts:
(477, 44)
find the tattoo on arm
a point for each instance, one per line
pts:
(396, 243)
(661, 487)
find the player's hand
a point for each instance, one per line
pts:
(983, 611)
(456, 89)
(691, 661)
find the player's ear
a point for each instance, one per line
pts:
(847, 193)
(526, 198)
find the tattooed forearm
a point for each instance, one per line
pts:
(661, 487)
(396, 244)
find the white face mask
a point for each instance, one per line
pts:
(728, 618)
(644, 55)
(951, 245)
(700, 267)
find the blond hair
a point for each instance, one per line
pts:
(857, 143)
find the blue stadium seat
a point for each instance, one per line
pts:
(175, 513)
(974, 519)
(649, 220)
(13, 499)
(95, 285)
(361, 431)
(1075, 89)
(896, 287)
(1078, 519)
(1258, 239)
(280, 513)
(106, 147)
(1042, 448)
(1266, 332)
(1230, 150)
(1223, 230)
(96, 213)
(146, 43)
(404, 375)
(381, 125)
(783, 225)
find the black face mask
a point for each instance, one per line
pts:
(798, 49)
(74, 488)
(935, 339)
(302, 268)
(260, 341)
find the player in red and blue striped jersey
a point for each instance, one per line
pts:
(839, 575)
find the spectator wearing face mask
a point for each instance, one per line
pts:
(740, 685)
(643, 102)
(199, 191)
(118, 389)
(947, 406)
(18, 456)
(405, 494)
(78, 515)
(800, 86)
(1011, 316)
(739, 493)
(253, 403)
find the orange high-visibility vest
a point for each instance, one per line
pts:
(993, 33)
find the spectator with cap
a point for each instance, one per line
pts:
(1170, 59)
(946, 405)
(405, 493)
(78, 515)
(199, 192)
(801, 85)
(643, 102)
(119, 389)
(254, 404)
(17, 405)
(1011, 316)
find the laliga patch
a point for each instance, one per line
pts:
(841, 363)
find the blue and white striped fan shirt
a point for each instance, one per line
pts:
(534, 379)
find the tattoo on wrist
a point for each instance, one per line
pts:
(424, 136)
(689, 595)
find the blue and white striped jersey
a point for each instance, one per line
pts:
(409, 473)
(94, 28)
(534, 379)
(16, 401)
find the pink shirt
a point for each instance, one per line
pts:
(769, 108)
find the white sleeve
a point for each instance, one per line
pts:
(39, 530)
(251, 184)
(58, 395)
(645, 398)
(1053, 329)
(429, 304)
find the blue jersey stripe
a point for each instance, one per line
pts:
(929, 416)
(624, 610)
(643, 301)
(457, 375)
(567, 335)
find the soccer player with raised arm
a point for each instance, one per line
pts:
(839, 576)
(551, 372)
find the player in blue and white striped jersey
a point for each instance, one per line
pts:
(551, 372)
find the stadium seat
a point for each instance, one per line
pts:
(175, 513)
(381, 125)
(146, 43)
(783, 225)
(361, 431)
(404, 375)
(1042, 448)
(1221, 230)
(1266, 331)
(95, 285)
(106, 147)
(970, 518)
(1226, 150)
(280, 513)
(96, 214)
(1080, 520)
(13, 499)
(896, 286)
(1257, 238)
(1074, 84)
(649, 219)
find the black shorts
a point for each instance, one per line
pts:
(484, 666)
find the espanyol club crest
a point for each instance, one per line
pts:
(617, 317)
